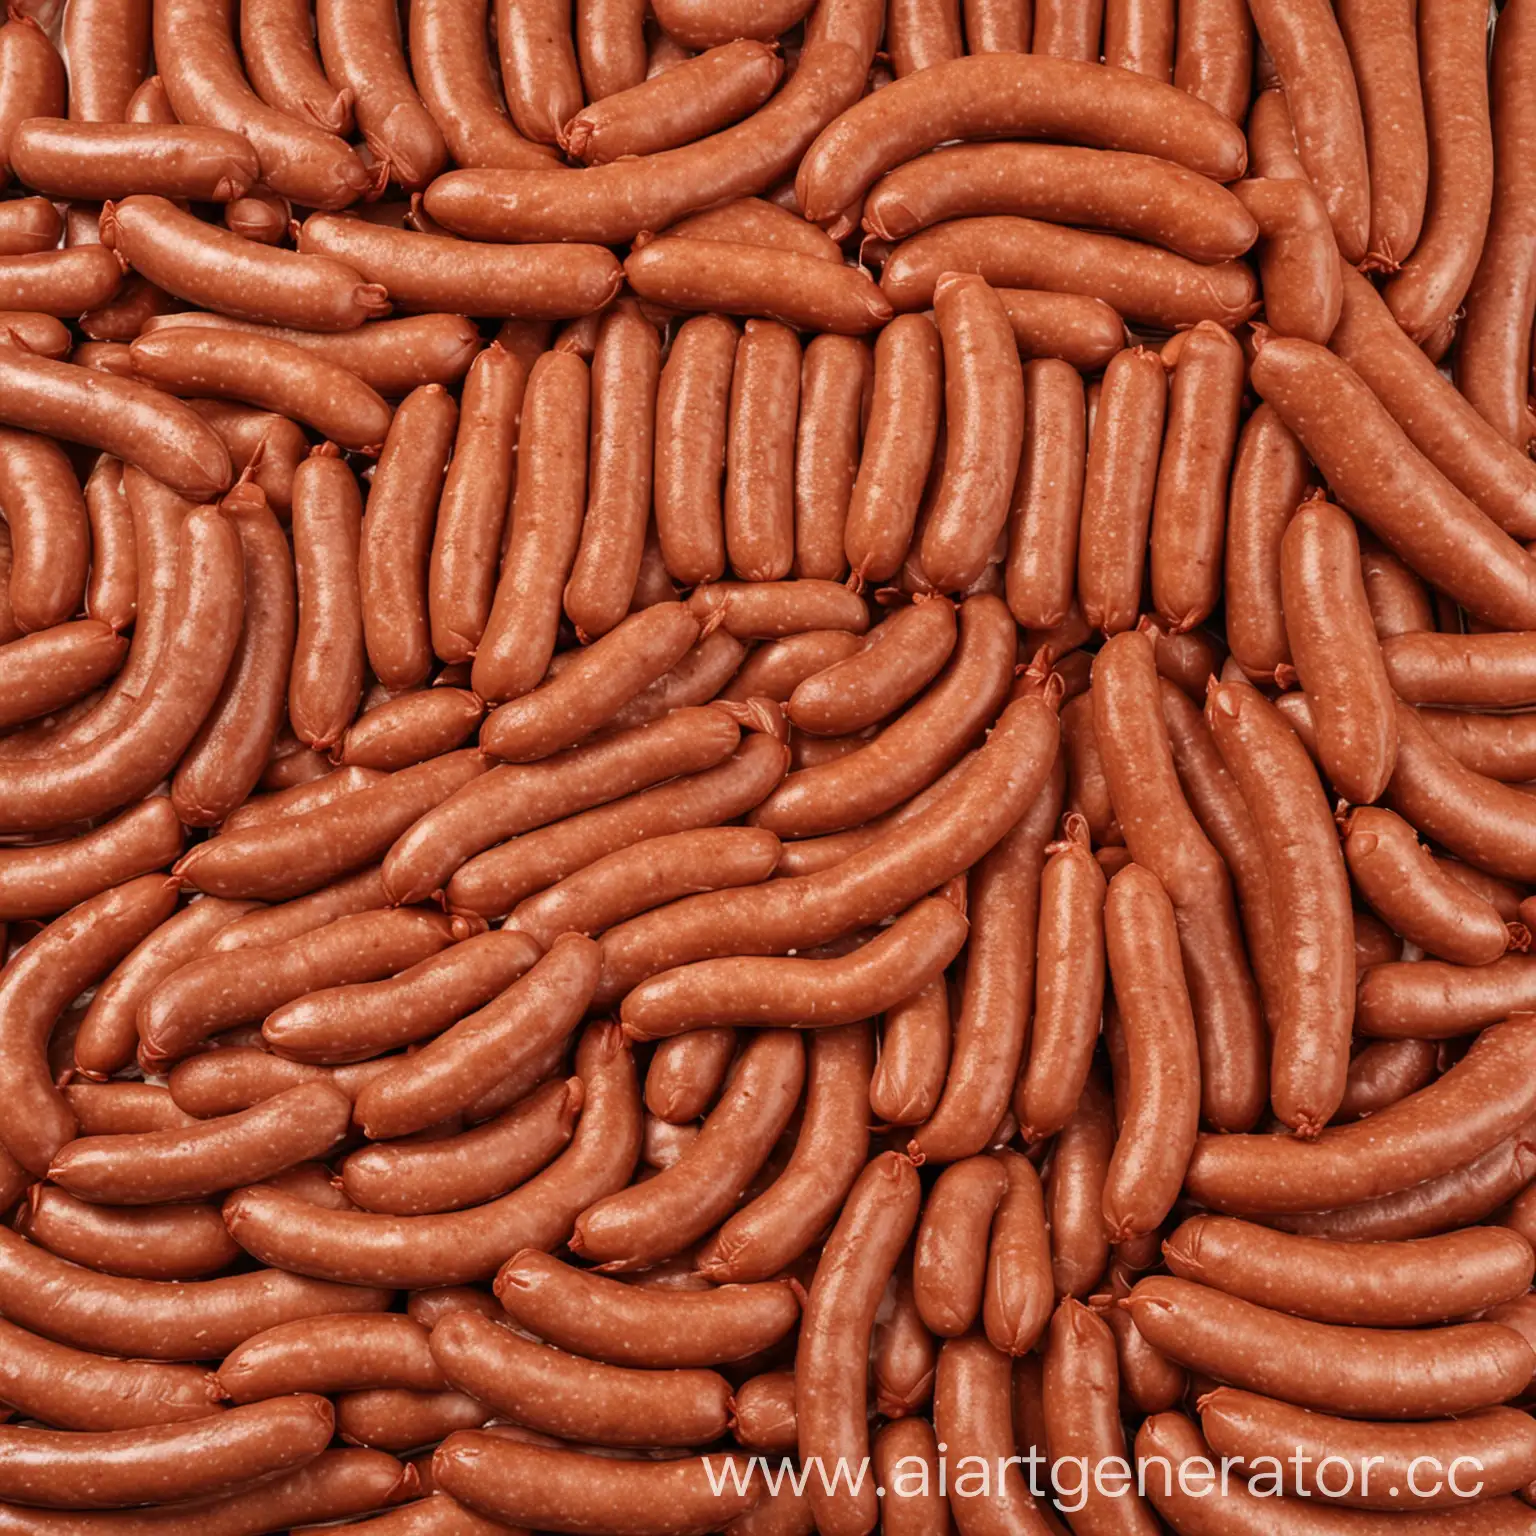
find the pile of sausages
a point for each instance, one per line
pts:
(780, 735)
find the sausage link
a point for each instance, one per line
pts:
(1441, 423)
(1074, 1192)
(914, 1057)
(1189, 510)
(343, 1352)
(107, 47)
(456, 1247)
(899, 443)
(1161, 1094)
(1150, 287)
(1384, 49)
(411, 729)
(168, 1242)
(835, 378)
(759, 452)
(34, 80)
(1165, 838)
(949, 1260)
(1493, 357)
(1313, 64)
(1047, 498)
(1118, 490)
(1453, 65)
(626, 366)
(396, 536)
(1214, 55)
(78, 160)
(1019, 1285)
(1363, 1373)
(546, 515)
(538, 66)
(922, 32)
(856, 1261)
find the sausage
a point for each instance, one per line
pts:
(972, 1418)
(801, 993)
(1069, 985)
(533, 1485)
(1009, 96)
(111, 592)
(51, 969)
(361, 49)
(1166, 839)
(1484, 671)
(1364, 1373)
(447, 1075)
(206, 86)
(1313, 64)
(538, 67)
(910, 753)
(1268, 482)
(168, 1242)
(1160, 1094)
(590, 692)
(922, 32)
(801, 291)
(28, 225)
(221, 270)
(1391, 1151)
(456, 1247)
(636, 1227)
(1440, 422)
(626, 366)
(63, 282)
(1118, 490)
(455, 1171)
(1484, 821)
(1006, 775)
(1385, 1071)
(1019, 1285)
(277, 44)
(1498, 1441)
(685, 1074)
(272, 374)
(1383, 1285)
(519, 797)
(1384, 51)
(625, 1324)
(142, 426)
(218, 1154)
(984, 409)
(898, 658)
(1453, 65)
(107, 1109)
(83, 160)
(899, 442)
(432, 272)
(155, 1319)
(1444, 1001)
(754, 221)
(331, 1354)
(834, 379)
(546, 515)
(1496, 746)
(1139, 195)
(1189, 509)
(225, 759)
(461, 577)
(1139, 36)
(390, 356)
(768, 610)
(410, 729)
(1493, 357)
(34, 80)
(903, 1354)
(645, 875)
(949, 1261)
(855, 1264)
(1214, 55)
(72, 1389)
(32, 332)
(1311, 887)
(993, 1025)
(108, 51)
(554, 1392)
(50, 549)
(615, 203)
(1046, 509)
(44, 881)
(168, 1463)
(1148, 286)
(696, 679)
(356, 1020)
(1399, 879)
(397, 534)
(703, 95)
(1080, 1390)
(45, 671)
(914, 1057)
(1075, 1192)
(764, 404)
(1333, 641)
(223, 988)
